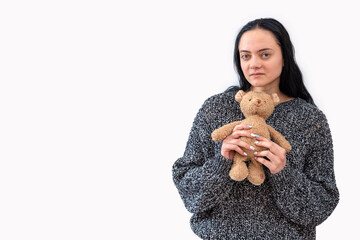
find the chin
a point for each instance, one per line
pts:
(258, 84)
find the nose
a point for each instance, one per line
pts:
(258, 101)
(255, 63)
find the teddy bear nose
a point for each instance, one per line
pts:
(259, 101)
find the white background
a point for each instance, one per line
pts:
(97, 99)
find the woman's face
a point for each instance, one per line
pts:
(261, 58)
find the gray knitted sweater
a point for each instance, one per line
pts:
(288, 205)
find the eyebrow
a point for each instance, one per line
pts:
(263, 49)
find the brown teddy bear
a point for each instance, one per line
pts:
(256, 107)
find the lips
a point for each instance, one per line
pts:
(256, 74)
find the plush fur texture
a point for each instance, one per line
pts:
(256, 107)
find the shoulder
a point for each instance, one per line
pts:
(219, 101)
(308, 111)
(314, 126)
(221, 98)
(219, 109)
(300, 109)
(303, 116)
(297, 114)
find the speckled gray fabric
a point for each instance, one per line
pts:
(288, 205)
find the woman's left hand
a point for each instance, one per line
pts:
(275, 154)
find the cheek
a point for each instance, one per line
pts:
(244, 68)
(276, 67)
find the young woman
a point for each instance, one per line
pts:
(299, 191)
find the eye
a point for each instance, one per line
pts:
(245, 56)
(250, 100)
(266, 55)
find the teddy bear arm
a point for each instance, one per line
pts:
(279, 139)
(224, 131)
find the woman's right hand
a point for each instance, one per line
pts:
(232, 143)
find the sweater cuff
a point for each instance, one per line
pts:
(219, 165)
(281, 179)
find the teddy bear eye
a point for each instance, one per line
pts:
(250, 100)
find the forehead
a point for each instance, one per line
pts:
(256, 39)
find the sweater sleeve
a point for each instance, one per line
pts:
(202, 174)
(308, 196)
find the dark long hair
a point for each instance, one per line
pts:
(291, 81)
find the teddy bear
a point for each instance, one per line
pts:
(256, 107)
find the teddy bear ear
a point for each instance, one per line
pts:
(275, 99)
(239, 95)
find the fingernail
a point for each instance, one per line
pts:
(245, 153)
(254, 135)
(252, 148)
(255, 153)
(249, 126)
(256, 142)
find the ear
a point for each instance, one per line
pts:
(275, 99)
(239, 95)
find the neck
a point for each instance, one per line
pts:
(270, 90)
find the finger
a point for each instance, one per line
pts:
(265, 143)
(241, 133)
(231, 155)
(240, 143)
(267, 154)
(273, 166)
(261, 138)
(273, 147)
(265, 162)
(242, 126)
(240, 151)
(227, 153)
(233, 147)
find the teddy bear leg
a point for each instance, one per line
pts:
(256, 173)
(239, 170)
